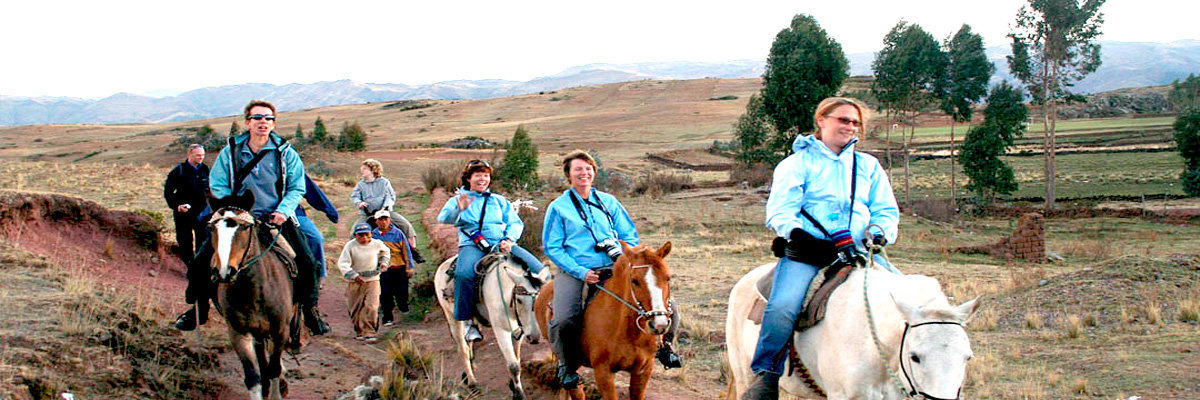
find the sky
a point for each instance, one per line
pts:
(93, 49)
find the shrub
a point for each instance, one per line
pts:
(657, 184)
(352, 139)
(443, 175)
(725, 97)
(519, 169)
(1191, 182)
(753, 175)
(531, 237)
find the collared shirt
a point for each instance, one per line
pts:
(397, 242)
(500, 222)
(292, 180)
(570, 241)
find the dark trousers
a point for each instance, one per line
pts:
(305, 289)
(566, 325)
(393, 292)
(190, 234)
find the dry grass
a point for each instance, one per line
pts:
(1189, 309)
(1073, 327)
(985, 320)
(1153, 311)
(1034, 320)
(1080, 386)
(443, 174)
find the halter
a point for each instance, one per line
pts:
(518, 290)
(244, 222)
(639, 309)
(912, 390)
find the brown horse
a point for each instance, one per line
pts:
(254, 294)
(619, 332)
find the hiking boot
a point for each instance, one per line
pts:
(312, 320)
(567, 377)
(667, 356)
(187, 320)
(417, 257)
(765, 386)
(472, 333)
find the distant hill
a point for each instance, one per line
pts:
(1125, 65)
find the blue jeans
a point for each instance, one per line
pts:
(792, 279)
(316, 242)
(464, 276)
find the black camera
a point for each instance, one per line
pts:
(609, 247)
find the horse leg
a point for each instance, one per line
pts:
(243, 345)
(274, 369)
(264, 367)
(605, 382)
(638, 380)
(512, 358)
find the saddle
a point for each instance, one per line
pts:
(482, 268)
(827, 279)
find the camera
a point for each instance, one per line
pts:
(482, 243)
(609, 247)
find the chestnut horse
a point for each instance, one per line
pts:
(619, 332)
(254, 294)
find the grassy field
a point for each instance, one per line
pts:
(1064, 128)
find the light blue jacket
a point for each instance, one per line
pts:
(500, 221)
(565, 236)
(222, 173)
(817, 180)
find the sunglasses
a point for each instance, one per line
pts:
(260, 117)
(849, 121)
(477, 163)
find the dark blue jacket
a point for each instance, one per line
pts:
(316, 198)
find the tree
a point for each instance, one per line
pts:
(352, 138)
(1187, 139)
(910, 73)
(299, 133)
(967, 75)
(1052, 48)
(756, 138)
(518, 170)
(234, 128)
(1003, 121)
(319, 134)
(804, 66)
(1186, 93)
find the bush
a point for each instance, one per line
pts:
(531, 237)
(519, 169)
(205, 136)
(445, 175)
(657, 184)
(725, 97)
(753, 175)
(352, 139)
(1191, 182)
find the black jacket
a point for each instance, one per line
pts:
(187, 185)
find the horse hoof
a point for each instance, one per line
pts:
(283, 387)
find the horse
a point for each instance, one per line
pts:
(254, 295)
(906, 317)
(619, 333)
(506, 300)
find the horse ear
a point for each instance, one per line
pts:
(967, 309)
(625, 249)
(911, 312)
(664, 250)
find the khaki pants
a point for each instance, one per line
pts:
(362, 299)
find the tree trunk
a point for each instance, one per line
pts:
(953, 162)
(1048, 123)
(907, 188)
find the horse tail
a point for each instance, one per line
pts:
(541, 308)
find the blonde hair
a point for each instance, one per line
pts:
(826, 106)
(375, 167)
(576, 155)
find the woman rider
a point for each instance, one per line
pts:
(812, 194)
(486, 222)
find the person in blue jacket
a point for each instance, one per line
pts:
(316, 242)
(486, 222)
(823, 197)
(259, 163)
(580, 235)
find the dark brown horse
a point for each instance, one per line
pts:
(254, 294)
(624, 324)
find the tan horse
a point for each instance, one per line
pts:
(254, 294)
(619, 332)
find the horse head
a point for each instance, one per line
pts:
(649, 278)
(231, 235)
(523, 292)
(935, 349)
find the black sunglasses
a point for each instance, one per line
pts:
(849, 121)
(259, 117)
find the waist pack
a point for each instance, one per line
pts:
(806, 248)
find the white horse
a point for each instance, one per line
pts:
(506, 298)
(922, 334)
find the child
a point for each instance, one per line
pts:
(361, 262)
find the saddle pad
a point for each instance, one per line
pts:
(814, 310)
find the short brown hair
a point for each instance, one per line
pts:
(257, 103)
(576, 155)
(375, 166)
(826, 106)
(472, 167)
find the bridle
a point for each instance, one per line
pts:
(640, 309)
(907, 376)
(518, 290)
(244, 222)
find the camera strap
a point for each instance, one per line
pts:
(584, 216)
(853, 189)
(482, 213)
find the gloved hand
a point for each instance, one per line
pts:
(847, 251)
(877, 240)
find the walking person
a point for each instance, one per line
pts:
(823, 197)
(361, 262)
(394, 280)
(186, 192)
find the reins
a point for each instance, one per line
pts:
(253, 261)
(642, 314)
(883, 355)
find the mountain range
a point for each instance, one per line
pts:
(1125, 65)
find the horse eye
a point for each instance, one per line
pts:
(970, 357)
(915, 358)
(636, 283)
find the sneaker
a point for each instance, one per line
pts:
(358, 338)
(569, 379)
(417, 257)
(370, 339)
(472, 334)
(667, 357)
(389, 324)
(312, 319)
(187, 320)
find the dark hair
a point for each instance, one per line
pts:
(576, 155)
(472, 167)
(257, 103)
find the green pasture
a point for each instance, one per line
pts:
(1063, 127)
